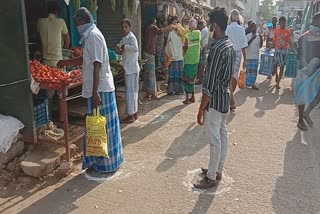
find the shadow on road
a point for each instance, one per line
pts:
(60, 200)
(130, 136)
(298, 190)
(188, 144)
(267, 97)
(203, 204)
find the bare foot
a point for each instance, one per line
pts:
(128, 119)
(278, 87)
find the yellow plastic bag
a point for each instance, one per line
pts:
(242, 79)
(97, 138)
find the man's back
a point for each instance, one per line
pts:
(51, 30)
(237, 36)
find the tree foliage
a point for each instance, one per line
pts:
(267, 10)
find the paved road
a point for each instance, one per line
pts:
(272, 167)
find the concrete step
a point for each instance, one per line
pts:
(44, 158)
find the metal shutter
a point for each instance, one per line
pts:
(109, 22)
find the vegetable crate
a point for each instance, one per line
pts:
(292, 65)
(41, 110)
(266, 63)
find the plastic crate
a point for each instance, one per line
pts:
(41, 110)
(266, 63)
(292, 65)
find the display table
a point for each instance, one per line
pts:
(72, 133)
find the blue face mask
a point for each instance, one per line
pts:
(83, 28)
(315, 30)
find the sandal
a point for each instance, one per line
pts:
(128, 119)
(186, 102)
(192, 100)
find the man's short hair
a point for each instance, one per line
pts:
(200, 23)
(235, 15)
(250, 22)
(282, 19)
(83, 15)
(53, 7)
(219, 16)
(126, 21)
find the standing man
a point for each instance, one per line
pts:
(149, 51)
(98, 87)
(191, 60)
(281, 41)
(174, 51)
(255, 42)
(248, 29)
(204, 43)
(237, 36)
(308, 48)
(269, 40)
(52, 29)
(214, 108)
(128, 46)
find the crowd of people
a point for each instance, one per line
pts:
(210, 56)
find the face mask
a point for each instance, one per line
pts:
(315, 30)
(83, 28)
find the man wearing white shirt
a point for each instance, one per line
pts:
(255, 42)
(98, 87)
(237, 36)
(204, 43)
(128, 46)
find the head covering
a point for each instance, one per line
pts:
(193, 24)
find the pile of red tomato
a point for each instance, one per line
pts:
(76, 76)
(51, 77)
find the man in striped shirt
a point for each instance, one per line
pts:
(215, 104)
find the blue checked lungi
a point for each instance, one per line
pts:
(149, 75)
(237, 64)
(280, 57)
(266, 63)
(132, 93)
(108, 108)
(203, 57)
(175, 82)
(307, 88)
(251, 72)
(292, 65)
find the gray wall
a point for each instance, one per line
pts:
(16, 99)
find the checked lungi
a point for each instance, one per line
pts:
(280, 57)
(108, 108)
(149, 75)
(132, 93)
(237, 64)
(175, 82)
(252, 72)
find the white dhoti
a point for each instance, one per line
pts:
(132, 93)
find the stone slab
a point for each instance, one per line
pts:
(43, 159)
(15, 150)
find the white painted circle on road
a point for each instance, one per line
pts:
(195, 175)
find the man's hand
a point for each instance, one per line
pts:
(201, 117)
(244, 65)
(96, 99)
(63, 63)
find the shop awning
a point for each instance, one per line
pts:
(240, 5)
